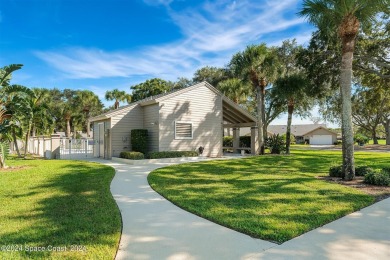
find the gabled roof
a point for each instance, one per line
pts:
(320, 127)
(297, 130)
(245, 115)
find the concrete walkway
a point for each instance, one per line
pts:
(154, 228)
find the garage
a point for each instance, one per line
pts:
(321, 136)
(321, 139)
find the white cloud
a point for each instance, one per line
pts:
(212, 32)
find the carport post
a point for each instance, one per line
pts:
(254, 141)
(236, 139)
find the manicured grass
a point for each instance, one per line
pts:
(58, 204)
(381, 142)
(270, 197)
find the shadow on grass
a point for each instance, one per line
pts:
(75, 207)
(271, 197)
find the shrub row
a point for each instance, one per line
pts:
(371, 176)
(172, 154)
(337, 171)
(381, 178)
(132, 155)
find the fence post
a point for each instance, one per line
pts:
(55, 146)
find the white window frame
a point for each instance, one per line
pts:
(192, 130)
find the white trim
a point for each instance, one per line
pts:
(192, 130)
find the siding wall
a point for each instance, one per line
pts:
(151, 123)
(203, 108)
(121, 125)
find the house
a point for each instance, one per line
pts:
(316, 134)
(183, 119)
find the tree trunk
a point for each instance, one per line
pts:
(263, 117)
(374, 137)
(16, 143)
(88, 125)
(27, 137)
(67, 127)
(348, 43)
(116, 105)
(387, 129)
(288, 132)
(260, 119)
(33, 131)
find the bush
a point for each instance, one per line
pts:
(276, 144)
(361, 139)
(172, 154)
(336, 171)
(139, 140)
(381, 178)
(132, 155)
(363, 170)
(228, 141)
(386, 170)
(245, 141)
(292, 138)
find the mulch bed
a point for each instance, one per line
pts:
(379, 192)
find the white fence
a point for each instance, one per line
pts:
(56, 147)
(76, 148)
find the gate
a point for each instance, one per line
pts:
(76, 148)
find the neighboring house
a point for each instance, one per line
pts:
(184, 120)
(316, 134)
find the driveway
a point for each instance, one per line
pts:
(154, 228)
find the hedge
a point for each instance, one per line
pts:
(172, 154)
(139, 140)
(132, 155)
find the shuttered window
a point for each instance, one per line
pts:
(183, 130)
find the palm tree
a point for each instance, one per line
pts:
(235, 89)
(88, 102)
(344, 17)
(258, 65)
(292, 89)
(118, 96)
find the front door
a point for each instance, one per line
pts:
(101, 140)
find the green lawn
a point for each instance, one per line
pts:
(270, 197)
(381, 141)
(58, 204)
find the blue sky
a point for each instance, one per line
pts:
(104, 44)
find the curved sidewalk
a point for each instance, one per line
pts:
(154, 228)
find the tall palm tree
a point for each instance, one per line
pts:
(118, 96)
(292, 90)
(235, 89)
(257, 64)
(344, 17)
(89, 102)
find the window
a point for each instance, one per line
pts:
(183, 130)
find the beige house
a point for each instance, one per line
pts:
(181, 120)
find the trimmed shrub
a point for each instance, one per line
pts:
(139, 140)
(363, 170)
(386, 169)
(228, 141)
(336, 171)
(172, 154)
(132, 155)
(276, 144)
(245, 141)
(292, 138)
(381, 178)
(361, 139)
